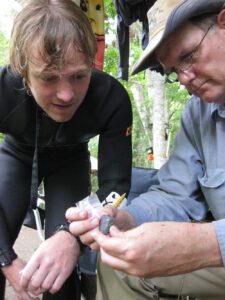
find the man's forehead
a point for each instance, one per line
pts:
(42, 68)
(38, 63)
(186, 35)
(41, 63)
(37, 52)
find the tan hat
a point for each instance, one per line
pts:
(164, 17)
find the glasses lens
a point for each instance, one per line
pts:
(172, 77)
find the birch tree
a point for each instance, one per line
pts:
(145, 112)
(156, 91)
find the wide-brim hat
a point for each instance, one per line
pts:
(164, 17)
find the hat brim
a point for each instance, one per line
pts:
(142, 62)
(178, 16)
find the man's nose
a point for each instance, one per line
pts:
(185, 77)
(65, 91)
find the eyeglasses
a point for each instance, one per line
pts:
(187, 61)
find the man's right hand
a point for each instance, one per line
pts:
(83, 224)
(12, 273)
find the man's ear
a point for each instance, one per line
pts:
(221, 19)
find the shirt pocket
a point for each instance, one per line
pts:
(213, 187)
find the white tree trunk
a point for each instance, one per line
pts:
(145, 114)
(156, 85)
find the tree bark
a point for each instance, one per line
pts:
(144, 111)
(156, 91)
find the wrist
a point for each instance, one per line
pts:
(7, 256)
(82, 246)
(210, 253)
(65, 227)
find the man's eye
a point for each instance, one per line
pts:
(78, 77)
(50, 78)
(189, 58)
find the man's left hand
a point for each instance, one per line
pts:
(51, 264)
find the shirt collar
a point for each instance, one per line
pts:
(218, 109)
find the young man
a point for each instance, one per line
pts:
(52, 102)
(187, 38)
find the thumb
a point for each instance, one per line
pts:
(115, 232)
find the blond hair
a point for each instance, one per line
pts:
(56, 25)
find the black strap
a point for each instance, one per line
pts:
(65, 227)
(6, 257)
(34, 176)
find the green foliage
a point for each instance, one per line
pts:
(93, 148)
(140, 137)
(3, 49)
(109, 9)
(110, 60)
(1, 138)
(177, 97)
(140, 142)
(110, 16)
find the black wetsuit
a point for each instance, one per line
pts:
(63, 156)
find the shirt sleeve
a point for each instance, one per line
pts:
(220, 232)
(178, 195)
(6, 242)
(115, 151)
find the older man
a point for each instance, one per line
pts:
(168, 242)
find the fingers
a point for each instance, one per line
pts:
(81, 227)
(75, 214)
(115, 245)
(27, 273)
(80, 221)
(27, 296)
(115, 250)
(37, 276)
(115, 232)
(37, 287)
(114, 262)
(56, 285)
(50, 265)
(100, 238)
(94, 246)
(42, 280)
